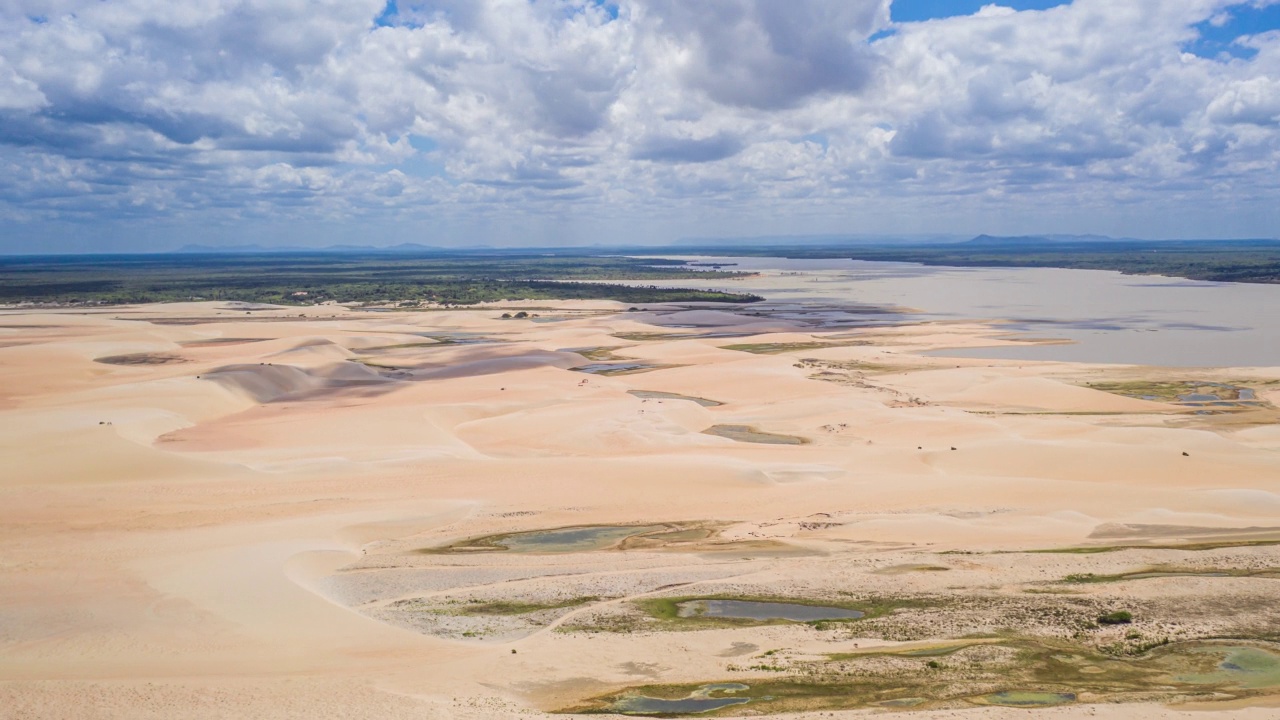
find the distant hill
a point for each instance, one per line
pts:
(1051, 242)
(1045, 239)
(814, 240)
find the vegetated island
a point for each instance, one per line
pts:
(363, 278)
(1250, 261)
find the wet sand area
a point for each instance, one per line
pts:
(705, 699)
(141, 359)
(559, 540)
(683, 537)
(749, 434)
(610, 369)
(658, 395)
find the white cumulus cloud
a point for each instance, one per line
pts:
(583, 120)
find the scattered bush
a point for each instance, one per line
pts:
(1119, 617)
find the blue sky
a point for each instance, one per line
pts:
(1218, 35)
(917, 10)
(130, 125)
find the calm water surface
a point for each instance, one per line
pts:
(702, 700)
(750, 610)
(1111, 318)
(575, 539)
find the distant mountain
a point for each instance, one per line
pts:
(815, 240)
(1043, 239)
(417, 247)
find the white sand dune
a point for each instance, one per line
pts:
(258, 531)
(1032, 393)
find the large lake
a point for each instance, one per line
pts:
(1110, 317)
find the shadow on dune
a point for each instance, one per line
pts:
(496, 365)
(269, 382)
(473, 360)
(274, 383)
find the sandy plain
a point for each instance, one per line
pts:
(214, 511)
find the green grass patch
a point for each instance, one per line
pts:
(1119, 617)
(523, 608)
(600, 354)
(1172, 391)
(1011, 668)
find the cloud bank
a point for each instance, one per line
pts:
(135, 123)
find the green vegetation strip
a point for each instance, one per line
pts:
(1010, 671)
(369, 278)
(1171, 572)
(1176, 391)
(522, 608)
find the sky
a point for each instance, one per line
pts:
(146, 125)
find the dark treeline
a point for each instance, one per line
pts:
(306, 279)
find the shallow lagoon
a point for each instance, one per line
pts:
(748, 434)
(658, 395)
(569, 540)
(617, 368)
(1112, 318)
(705, 699)
(1246, 667)
(751, 610)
